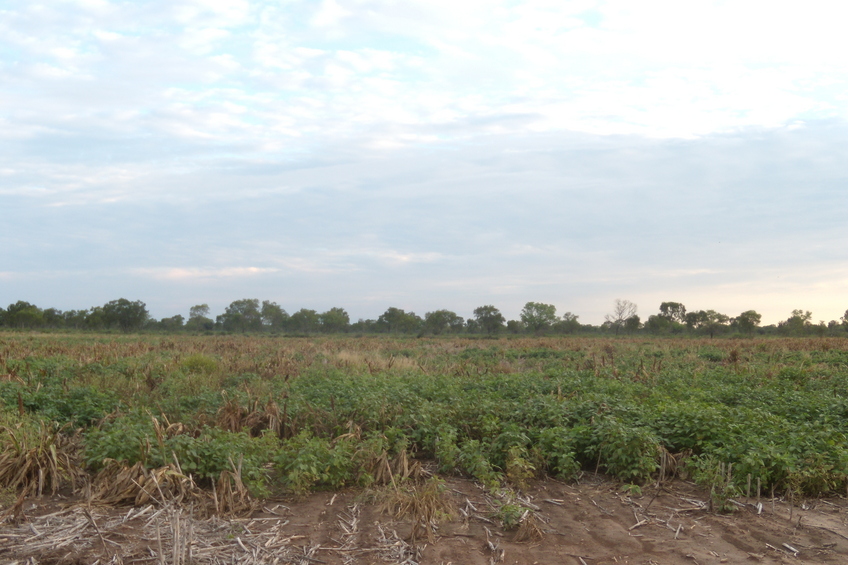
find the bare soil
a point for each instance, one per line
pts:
(591, 523)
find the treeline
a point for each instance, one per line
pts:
(249, 315)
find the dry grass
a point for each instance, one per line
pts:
(426, 505)
(529, 528)
(253, 418)
(118, 483)
(35, 461)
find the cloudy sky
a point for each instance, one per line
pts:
(425, 154)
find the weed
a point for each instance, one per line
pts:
(426, 505)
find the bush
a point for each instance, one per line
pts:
(306, 462)
(199, 364)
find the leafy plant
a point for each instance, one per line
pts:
(306, 462)
(718, 478)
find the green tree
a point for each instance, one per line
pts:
(242, 316)
(335, 320)
(95, 318)
(23, 315)
(395, 320)
(632, 323)
(364, 326)
(305, 321)
(674, 311)
(748, 321)
(443, 321)
(124, 314)
(799, 323)
(537, 316)
(53, 318)
(621, 311)
(659, 324)
(172, 324)
(273, 316)
(707, 321)
(568, 324)
(489, 319)
(515, 326)
(198, 318)
(74, 318)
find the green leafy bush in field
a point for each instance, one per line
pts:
(557, 448)
(717, 477)
(78, 406)
(306, 462)
(447, 453)
(138, 438)
(712, 354)
(629, 453)
(198, 364)
(689, 425)
(128, 439)
(473, 461)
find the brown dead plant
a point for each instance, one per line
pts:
(119, 483)
(425, 504)
(36, 460)
(229, 494)
(253, 418)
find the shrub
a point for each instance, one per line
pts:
(306, 462)
(198, 364)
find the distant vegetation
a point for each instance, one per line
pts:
(252, 316)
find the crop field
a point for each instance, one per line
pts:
(223, 424)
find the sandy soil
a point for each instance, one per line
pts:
(592, 523)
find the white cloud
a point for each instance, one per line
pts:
(187, 274)
(331, 13)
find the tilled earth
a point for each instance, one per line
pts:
(591, 523)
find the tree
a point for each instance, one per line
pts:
(172, 324)
(334, 320)
(242, 315)
(658, 324)
(489, 319)
(125, 314)
(74, 318)
(95, 318)
(673, 311)
(748, 321)
(632, 323)
(442, 321)
(199, 311)
(273, 316)
(305, 321)
(395, 320)
(568, 324)
(514, 327)
(537, 316)
(198, 318)
(621, 311)
(364, 326)
(797, 324)
(708, 321)
(53, 318)
(23, 315)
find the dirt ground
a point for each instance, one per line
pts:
(591, 523)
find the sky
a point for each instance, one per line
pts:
(425, 154)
